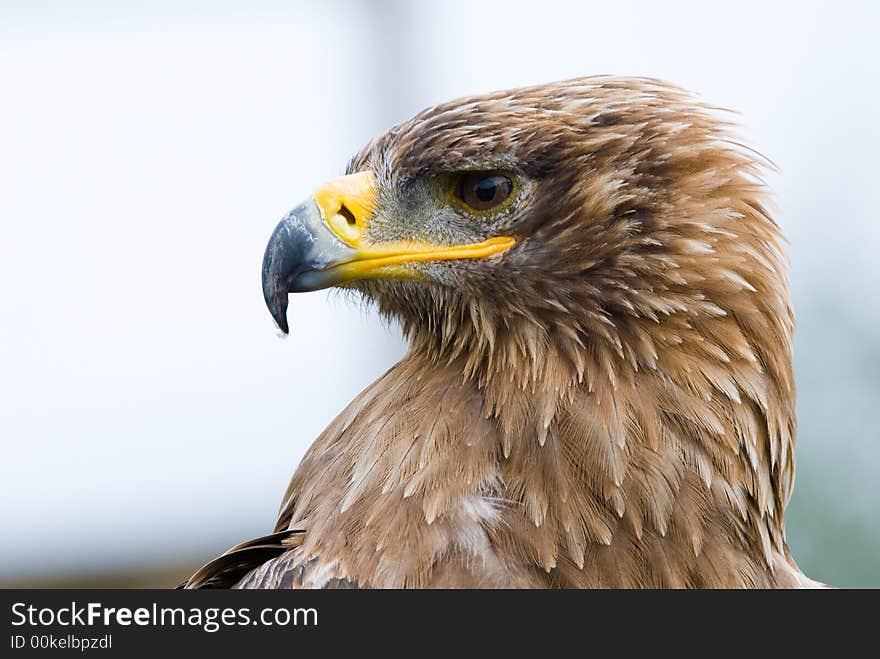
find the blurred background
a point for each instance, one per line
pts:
(151, 417)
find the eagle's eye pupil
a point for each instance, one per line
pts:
(486, 189)
(483, 191)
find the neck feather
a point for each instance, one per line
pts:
(672, 437)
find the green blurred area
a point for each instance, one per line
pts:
(832, 518)
(830, 545)
(164, 576)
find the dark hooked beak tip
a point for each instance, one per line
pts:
(299, 257)
(300, 247)
(278, 308)
(281, 262)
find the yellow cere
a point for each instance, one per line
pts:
(347, 203)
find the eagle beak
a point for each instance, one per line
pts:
(301, 246)
(323, 242)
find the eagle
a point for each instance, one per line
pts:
(598, 391)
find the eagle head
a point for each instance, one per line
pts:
(612, 223)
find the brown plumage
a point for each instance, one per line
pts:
(607, 403)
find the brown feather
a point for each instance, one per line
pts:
(610, 404)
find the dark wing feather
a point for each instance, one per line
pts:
(228, 569)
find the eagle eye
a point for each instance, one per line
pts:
(482, 191)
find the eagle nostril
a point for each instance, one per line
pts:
(348, 215)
